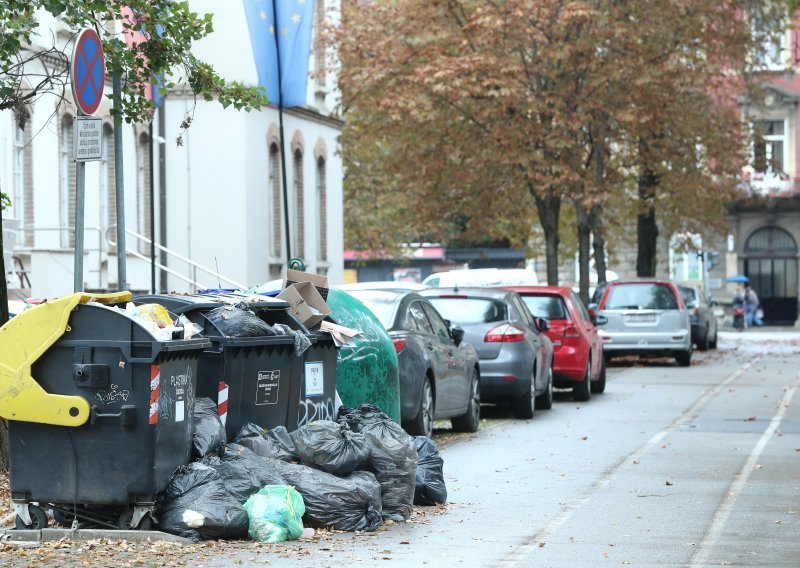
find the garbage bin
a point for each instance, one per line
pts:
(252, 379)
(367, 369)
(318, 380)
(99, 411)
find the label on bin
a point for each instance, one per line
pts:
(267, 387)
(314, 383)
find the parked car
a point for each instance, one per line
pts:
(578, 361)
(515, 360)
(479, 277)
(439, 372)
(644, 317)
(701, 317)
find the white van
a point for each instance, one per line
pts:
(482, 277)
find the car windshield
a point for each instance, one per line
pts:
(640, 297)
(688, 294)
(382, 305)
(550, 307)
(470, 311)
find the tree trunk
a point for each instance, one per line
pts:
(3, 319)
(549, 208)
(646, 228)
(584, 249)
(599, 244)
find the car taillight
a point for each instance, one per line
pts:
(697, 311)
(399, 343)
(571, 330)
(505, 333)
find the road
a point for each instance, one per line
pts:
(696, 466)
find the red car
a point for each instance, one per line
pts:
(578, 361)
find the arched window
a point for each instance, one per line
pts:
(108, 187)
(274, 190)
(67, 182)
(770, 241)
(143, 197)
(299, 205)
(322, 211)
(22, 196)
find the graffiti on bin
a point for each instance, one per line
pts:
(312, 409)
(114, 395)
(165, 404)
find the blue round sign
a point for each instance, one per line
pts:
(88, 72)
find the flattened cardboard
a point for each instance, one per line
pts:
(319, 282)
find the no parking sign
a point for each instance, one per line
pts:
(88, 72)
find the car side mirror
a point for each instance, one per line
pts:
(542, 324)
(457, 333)
(599, 320)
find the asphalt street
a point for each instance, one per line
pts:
(671, 466)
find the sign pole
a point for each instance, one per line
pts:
(87, 79)
(80, 192)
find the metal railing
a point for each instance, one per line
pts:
(195, 266)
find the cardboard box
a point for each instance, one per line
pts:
(319, 282)
(305, 303)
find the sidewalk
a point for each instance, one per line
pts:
(761, 339)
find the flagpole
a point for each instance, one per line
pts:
(280, 124)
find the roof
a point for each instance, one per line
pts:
(535, 290)
(496, 293)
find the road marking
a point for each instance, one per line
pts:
(723, 512)
(519, 553)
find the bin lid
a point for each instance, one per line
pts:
(182, 303)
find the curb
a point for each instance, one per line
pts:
(48, 535)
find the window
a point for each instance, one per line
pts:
(143, 192)
(470, 311)
(322, 211)
(768, 148)
(67, 183)
(641, 297)
(579, 307)
(439, 327)
(550, 307)
(22, 193)
(108, 188)
(275, 199)
(299, 206)
(416, 315)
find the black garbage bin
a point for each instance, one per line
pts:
(252, 379)
(138, 393)
(318, 380)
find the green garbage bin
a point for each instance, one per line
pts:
(367, 371)
(125, 425)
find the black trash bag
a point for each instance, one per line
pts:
(276, 443)
(197, 506)
(239, 321)
(343, 503)
(208, 433)
(243, 472)
(331, 447)
(393, 458)
(430, 488)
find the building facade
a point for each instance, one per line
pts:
(215, 203)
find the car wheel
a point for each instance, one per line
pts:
(684, 358)
(525, 405)
(599, 385)
(422, 425)
(545, 400)
(712, 343)
(471, 420)
(702, 344)
(581, 392)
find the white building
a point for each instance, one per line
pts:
(222, 187)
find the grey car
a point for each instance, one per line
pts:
(439, 372)
(701, 317)
(644, 317)
(516, 361)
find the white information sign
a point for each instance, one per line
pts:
(314, 380)
(88, 138)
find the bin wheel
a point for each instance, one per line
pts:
(38, 519)
(124, 522)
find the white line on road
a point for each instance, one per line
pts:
(700, 557)
(519, 553)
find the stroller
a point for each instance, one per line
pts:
(738, 306)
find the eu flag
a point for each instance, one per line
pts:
(293, 25)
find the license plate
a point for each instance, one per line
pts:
(641, 318)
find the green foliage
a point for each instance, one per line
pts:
(172, 28)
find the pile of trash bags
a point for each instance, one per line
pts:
(350, 475)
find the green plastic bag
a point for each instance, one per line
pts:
(275, 514)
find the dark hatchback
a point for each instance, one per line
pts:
(439, 372)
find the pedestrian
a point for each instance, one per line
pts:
(739, 310)
(752, 307)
